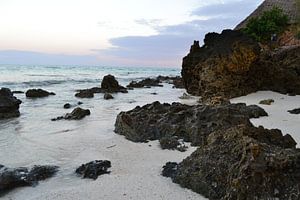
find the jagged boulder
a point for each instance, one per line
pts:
(19, 177)
(231, 64)
(38, 93)
(190, 123)
(9, 105)
(242, 162)
(94, 169)
(111, 85)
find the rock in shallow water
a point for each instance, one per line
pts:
(107, 96)
(190, 123)
(9, 105)
(109, 84)
(13, 178)
(94, 169)
(242, 162)
(76, 114)
(38, 93)
(295, 111)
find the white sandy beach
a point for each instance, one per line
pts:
(279, 117)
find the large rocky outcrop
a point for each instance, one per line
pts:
(242, 162)
(9, 105)
(12, 178)
(231, 64)
(191, 123)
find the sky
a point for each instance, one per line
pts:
(111, 32)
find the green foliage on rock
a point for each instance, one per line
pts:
(270, 22)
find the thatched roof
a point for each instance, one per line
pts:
(289, 7)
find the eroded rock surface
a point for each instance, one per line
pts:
(94, 169)
(231, 64)
(19, 177)
(242, 162)
(190, 123)
(9, 105)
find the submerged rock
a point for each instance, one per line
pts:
(295, 111)
(87, 93)
(94, 169)
(107, 96)
(9, 105)
(38, 93)
(242, 162)
(19, 177)
(148, 82)
(266, 102)
(231, 64)
(76, 114)
(190, 123)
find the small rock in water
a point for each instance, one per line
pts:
(76, 114)
(85, 94)
(153, 93)
(295, 111)
(266, 102)
(79, 103)
(38, 93)
(94, 169)
(67, 106)
(108, 96)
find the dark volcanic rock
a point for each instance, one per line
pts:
(148, 82)
(94, 169)
(170, 169)
(175, 80)
(295, 111)
(231, 64)
(12, 178)
(108, 96)
(191, 123)
(110, 84)
(67, 106)
(76, 114)
(242, 162)
(87, 93)
(169, 142)
(9, 105)
(38, 93)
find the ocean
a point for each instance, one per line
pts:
(33, 139)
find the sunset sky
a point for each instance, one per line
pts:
(111, 32)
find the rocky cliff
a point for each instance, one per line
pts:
(231, 64)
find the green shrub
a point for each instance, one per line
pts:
(270, 22)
